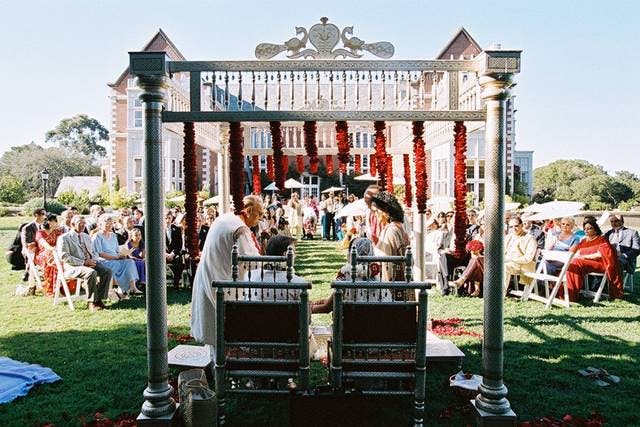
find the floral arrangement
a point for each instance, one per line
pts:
(236, 166)
(271, 174)
(300, 163)
(407, 180)
(373, 170)
(381, 152)
(460, 190)
(389, 173)
(191, 190)
(329, 161)
(421, 168)
(357, 164)
(255, 170)
(475, 246)
(342, 136)
(276, 141)
(309, 129)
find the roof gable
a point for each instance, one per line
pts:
(159, 42)
(461, 44)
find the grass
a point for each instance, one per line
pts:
(102, 356)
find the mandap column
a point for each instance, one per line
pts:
(223, 169)
(492, 406)
(158, 407)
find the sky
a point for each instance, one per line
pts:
(577, 96)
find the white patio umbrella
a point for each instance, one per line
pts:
(292, 183)
(556, 209)
(271, 187)
(366, 177)
(357, 208)
(332, 189)
(177, 199)
(214, 200)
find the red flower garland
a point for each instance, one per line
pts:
(285, 166)
(381, 153)
(278, 154)
(271, 174)
(342, 136)
(389, 173)
(190, 190)
(460, 190)
(329, 161)
(357, 164)
(300, 163)
(236, 166)
(421, 170)
(407, 180)
(372, 165)
(255, 169)
(310, 145)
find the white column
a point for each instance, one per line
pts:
(223, 170)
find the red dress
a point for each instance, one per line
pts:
(44, 258)
(607, 264)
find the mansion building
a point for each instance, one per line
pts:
(126, 152)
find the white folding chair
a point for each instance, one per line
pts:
(34, 273)
(559, 281)
(61, 282)
(599, 293)
(628, 279)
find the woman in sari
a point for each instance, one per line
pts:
(594, 254)
(46, 239)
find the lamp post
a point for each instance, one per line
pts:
(45, 178)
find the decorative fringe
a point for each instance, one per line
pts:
(357, 164)
(372, 165)
(420, 171)
(271, 174)
(389, 173)
(381, 153)
(460, 190)
(329, 161)
(236, 166)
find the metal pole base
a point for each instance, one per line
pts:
(171, 419)
(484, 418)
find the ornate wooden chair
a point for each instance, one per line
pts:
(262, 343)
(380, 330)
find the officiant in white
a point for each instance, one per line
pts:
(215, 264)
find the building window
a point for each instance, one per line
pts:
(470, 171)
(137, 119)
(180, 169)
(137, 168)
(481, 170)
(137, 186)
(173, 170)
(137, 102)
(180, 185)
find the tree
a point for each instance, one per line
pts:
(80, 134)
(25, 163)
(12, 189)
(556, 178)
(600, 191)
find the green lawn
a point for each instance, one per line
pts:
(102, 356)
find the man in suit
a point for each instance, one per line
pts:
(173, 239)
(28, 236)
(80, 262)
(625, 241)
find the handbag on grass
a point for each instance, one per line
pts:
(198, 403)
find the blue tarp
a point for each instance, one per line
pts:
(17, 378)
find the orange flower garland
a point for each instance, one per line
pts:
(309, 129)
(236, 166)
(342, 136)
(255, 169)
(420, 165)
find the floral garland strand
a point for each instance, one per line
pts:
(460, 190)
(420, 168)
(300, 163)
(255, 169)
(389, 173)
(342, 136)
(271, 174)
(357, 164)
(236, 166)
(329, 161)
(276, 141)
(372, 165)
(190, 190)
(285, 167)
(407, 180)
(381, 153)
(310, 145)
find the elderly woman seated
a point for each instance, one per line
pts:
(105, 244)
(562, 240)
(594, 254)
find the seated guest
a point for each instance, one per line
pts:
(625, 241)
(173, 256)
(473, 228)
(561, 240)
(204, 228)
(534, 229)
(28, 236)
(594, 254)
(46, 239)
(472, 277)
(276, 246)
(81, 262)
(65, 220)
(105, 244)
(520, 253)
(123, 233)
(136, 246)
